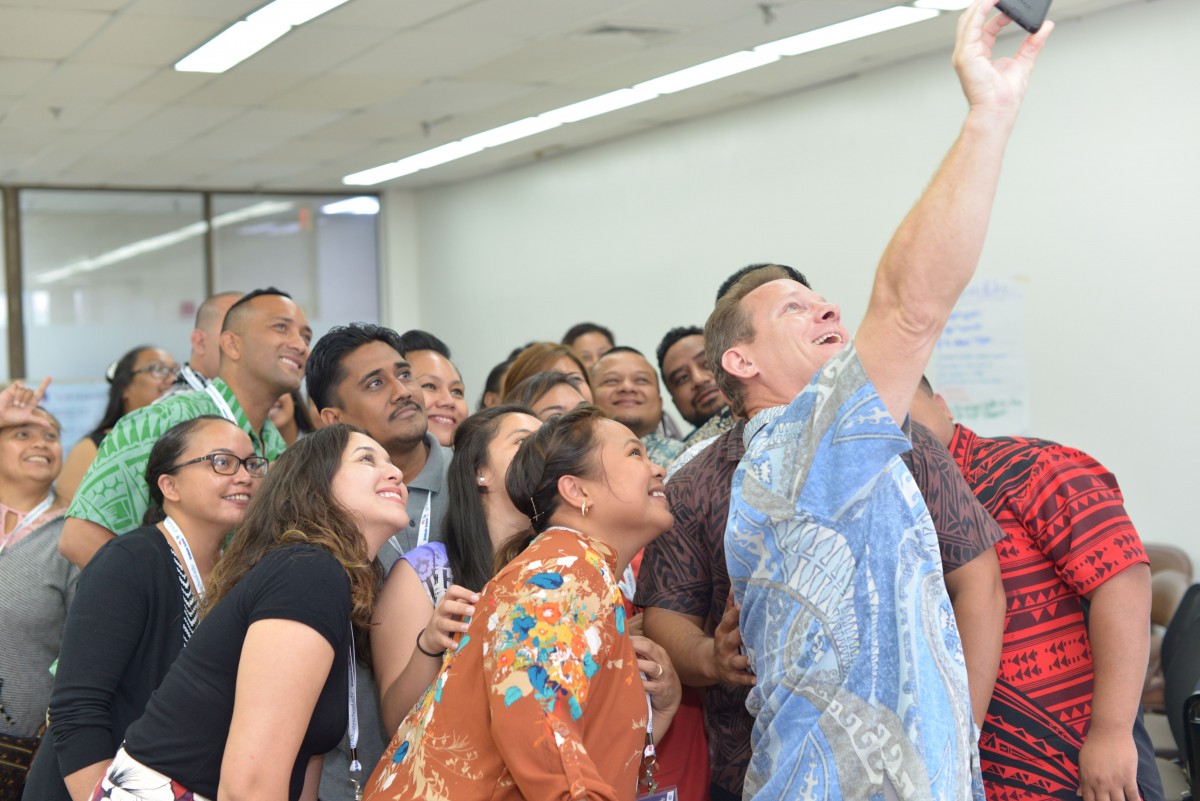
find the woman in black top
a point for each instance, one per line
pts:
(139, 599)
(262, 690)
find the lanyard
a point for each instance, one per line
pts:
(355, 765)
(28, 520)
(186, 550)
(423, 529)
(194, 380)
(222, 405)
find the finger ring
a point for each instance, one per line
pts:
(658, 675)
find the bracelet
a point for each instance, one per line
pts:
(431, 654)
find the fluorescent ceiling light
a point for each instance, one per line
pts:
(708, 71)
(595, 106)
(842, 32)
(878, 22)
(364, 204)
(243, 39)
(511, 132)
(421, 161)
(943, 5)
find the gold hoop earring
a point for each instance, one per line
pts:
(583, 509)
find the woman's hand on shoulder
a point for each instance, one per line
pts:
(449, 618)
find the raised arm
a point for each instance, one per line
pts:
(402, 614)
(933, 253)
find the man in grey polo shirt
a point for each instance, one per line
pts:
(357, 374)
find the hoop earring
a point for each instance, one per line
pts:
(583, 509)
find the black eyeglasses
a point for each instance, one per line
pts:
(226, 464)
(158, 370)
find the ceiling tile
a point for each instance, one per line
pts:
(440, 98)
(186, 121)
(281, 123)
(253, 172)
(243, 90)
(73, 81)
(48, 119)
(71, 5)
(40, 33)
(117, 117)
(344, 92)
(393, 14)
(313, 49)
(424, 54)
(367, 126)
(18, 77)
(166, 86)
(144, 40)
(227, 11)
(524, 19)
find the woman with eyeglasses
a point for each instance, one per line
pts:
(264, 687)
(137, 601)
(135, 380)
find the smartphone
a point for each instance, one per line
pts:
(1029, 14)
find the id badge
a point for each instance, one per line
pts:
(662, 794)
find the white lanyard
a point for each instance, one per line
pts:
(222, 406)
(28, 520)
(186, 550)
(423, 529)
(193, 380)
(355, 765)
(628, 584)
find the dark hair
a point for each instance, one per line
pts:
(416, 339)
(531, 390)
(563, 446)
(467, 538)
(323, 371)
(579, 329)
(295, 504)
(492, 384)
(621, 349)
(165, 454)
(235, 310)
(789, 272)
(673, 336)
(926, 387)
(729, 325)
(304, 423)
(539, 357)
(119, 376)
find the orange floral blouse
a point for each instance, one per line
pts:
(541, 699)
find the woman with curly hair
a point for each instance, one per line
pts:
(264, 686)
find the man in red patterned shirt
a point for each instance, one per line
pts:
(1064, 719)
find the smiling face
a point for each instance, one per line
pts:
(379, 394)
(371, 488)
(627, 498)
(795, 332)
(197, 492)
(560, 399)
(627, 389)
(443, 392)
(691, 382)
(270, 341)
(145, 387)
(30, 454)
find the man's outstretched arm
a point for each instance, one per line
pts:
(933, 253)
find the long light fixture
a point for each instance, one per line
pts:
(243, 39)
(732, 64)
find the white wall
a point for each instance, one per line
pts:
(1096, 209)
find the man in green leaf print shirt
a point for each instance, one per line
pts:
(264, 347)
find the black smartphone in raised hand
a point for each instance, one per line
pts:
(1029, 14)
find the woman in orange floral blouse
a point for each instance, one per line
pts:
(542, 698)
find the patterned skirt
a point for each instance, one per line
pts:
(129, 780)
